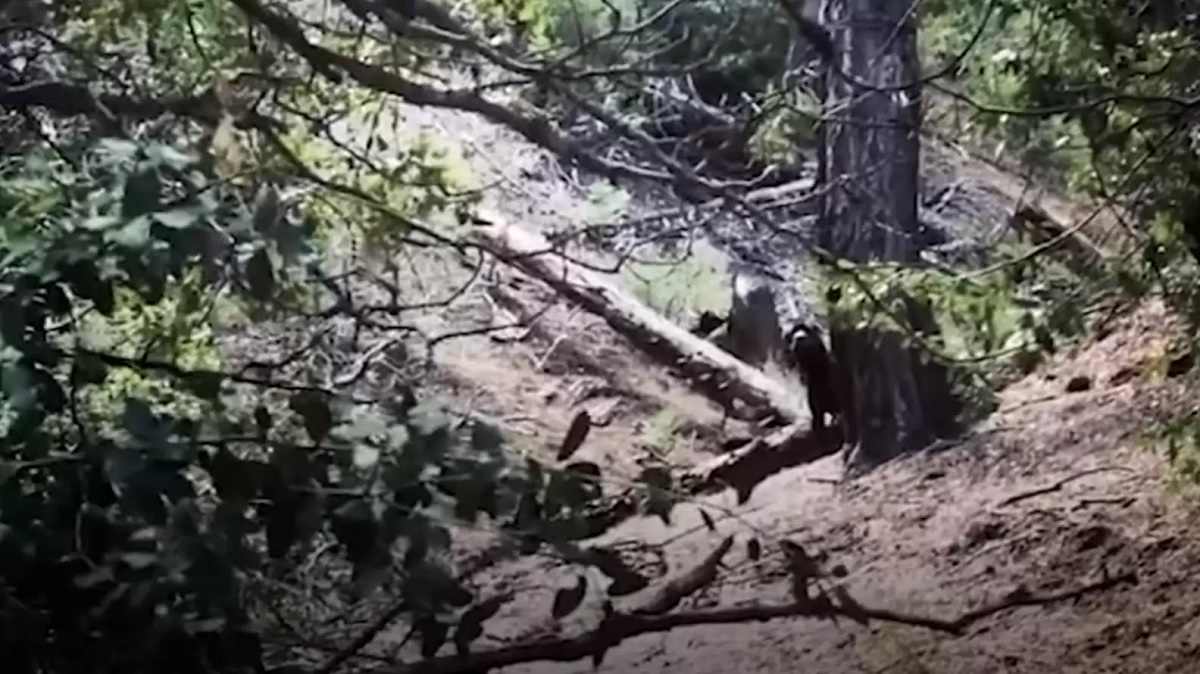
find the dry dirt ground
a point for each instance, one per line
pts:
(1051, 493)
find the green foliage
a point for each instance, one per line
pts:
(409, 177)
(677, 289)
(1073, 87)
(976, 319)
(677, 286)
(789, 127)
(142, 482)
(988, 327)
(605, 203)
(729, 47)
(101, 534)
(1167, 264)
(189, 42)
(138, 480)
(1178, 438)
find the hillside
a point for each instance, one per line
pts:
(356, 337)
(1052, 494)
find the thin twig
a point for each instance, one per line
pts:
(1017, 498)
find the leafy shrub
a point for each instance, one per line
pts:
(139, 489)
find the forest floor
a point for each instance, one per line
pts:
(1054, 491)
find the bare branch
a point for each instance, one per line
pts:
(619, 626)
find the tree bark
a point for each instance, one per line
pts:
(870, 156)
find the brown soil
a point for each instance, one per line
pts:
(934, 534)
(930, 535)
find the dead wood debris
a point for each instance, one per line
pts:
(1057, 486)
(738, 387)
(617, 626)
(676, 589)
(744, 468)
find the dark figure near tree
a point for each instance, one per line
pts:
(808, 355)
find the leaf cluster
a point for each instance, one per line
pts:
(129, 529)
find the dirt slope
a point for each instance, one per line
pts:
(933, 535)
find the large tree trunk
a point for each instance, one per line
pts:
(870, 156)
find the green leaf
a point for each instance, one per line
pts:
(99, 223)
(17, 383)
(8, 470)
(90, 370)
(56, 299)
(431, 587)
(576, 434)
(206, 385)
(142, 194)
(471, 496)
(291, 242)
(104, 297)
(117, 149)
(262, 419)
(260, 275)
(365, 456)
(165, 154)
(134, 234)
(139, 560)
(293, 465)
(141, 422)
(314, 408)
(447, 589)
(658, 499)
(310, 515)
(355, 526)
(371, 572)
(177, 218)
(584, 469)
(486, 609)
(418, 547)
(574, 488)
(486, 437)
(429, 431)
(120, 465)
(470, 626)
(234, 479)
(84, 280)
(281, 525)
(185, 519)
(205, 626)
(412, 495)
(149, 490)
(267, 210)
(12, 323)
(101, 575)
(365, 425)
(528, 514)
(567, 599)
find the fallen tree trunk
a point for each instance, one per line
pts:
(747, 466)
(744, 391)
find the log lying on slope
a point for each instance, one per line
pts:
(710, 370)
(715, 373)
